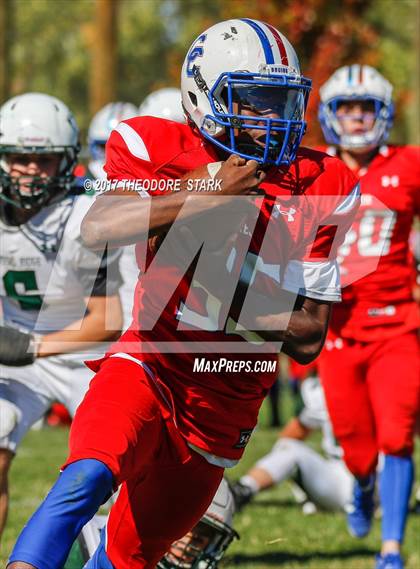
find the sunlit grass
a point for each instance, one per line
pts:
(274, 532)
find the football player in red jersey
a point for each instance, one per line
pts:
(166, 413)
(370, 366)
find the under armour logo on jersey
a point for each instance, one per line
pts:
(393, 181)
(288, 213)
(244, 437)
(334, 344)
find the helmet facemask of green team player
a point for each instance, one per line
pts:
(39, 143)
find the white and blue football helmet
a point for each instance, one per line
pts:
(244, 64)
(103, 123)
(356, 83)
(37, 124)
(164, 103)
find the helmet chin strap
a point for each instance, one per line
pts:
(246, 144)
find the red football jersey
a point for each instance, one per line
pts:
(380, 305)
(301, 218)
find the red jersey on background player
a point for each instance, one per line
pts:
(150, 420)
(371, 358)
(380, 305)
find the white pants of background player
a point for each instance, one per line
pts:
(26, 393)
(326, 481)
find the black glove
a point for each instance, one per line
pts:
(16, 348)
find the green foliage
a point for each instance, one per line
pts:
(143, 48)
(49, 50)
(52, 39)
(397, 24)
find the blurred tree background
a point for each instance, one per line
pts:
(88, 52)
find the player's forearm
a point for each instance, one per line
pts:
(301, 333)
(125, 219)
(67, 341)
(121, 218)
(81, 335)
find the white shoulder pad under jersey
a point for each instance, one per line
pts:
(72, 248)
(40, 263)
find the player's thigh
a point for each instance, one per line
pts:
(320, 479)
(22, 408)
(82, 377)
(66, 378)
(119, 421)
(342, 374)
(394, 385)
(152, 512)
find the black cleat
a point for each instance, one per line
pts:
(242, 495)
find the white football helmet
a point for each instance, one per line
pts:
(35, 123)
(356, 83)
(205, 545)
(103, 123)
(239, 65)
(165, 104)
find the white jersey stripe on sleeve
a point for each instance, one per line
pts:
(349, 201)
(319, 279)
(133, 141)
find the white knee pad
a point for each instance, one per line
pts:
(9, 417)
(281, 462)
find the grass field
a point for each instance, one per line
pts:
(274, 532)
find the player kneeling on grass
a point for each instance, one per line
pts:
(149, 422)
(48, 278)
(325, 481)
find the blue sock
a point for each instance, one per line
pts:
(100, 558)
(46, 539)
(396, 480)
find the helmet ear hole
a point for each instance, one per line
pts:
(193, 98)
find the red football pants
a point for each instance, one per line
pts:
(121, 423)
(373, 394)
